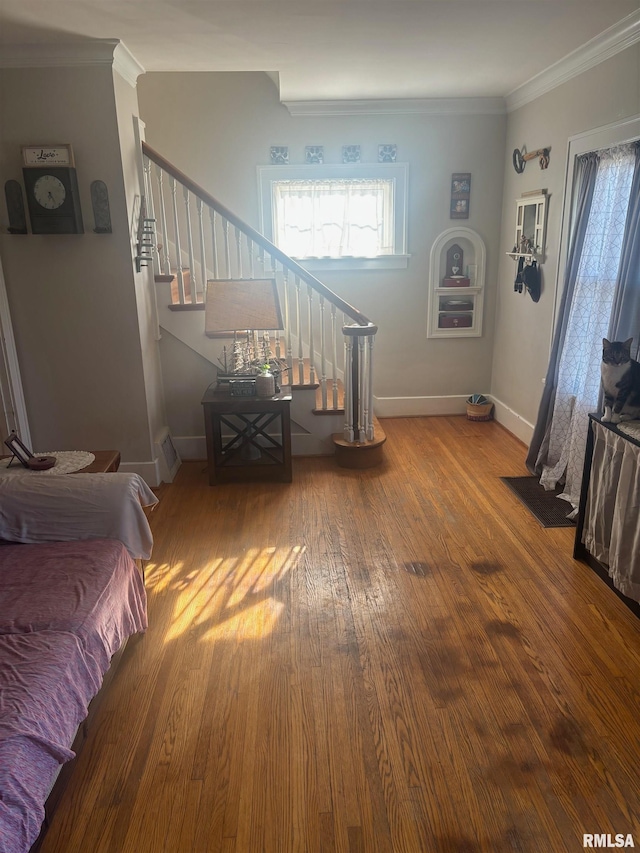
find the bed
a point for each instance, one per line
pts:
(65, 609)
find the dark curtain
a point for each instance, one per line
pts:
(625, 315)
(585, 179)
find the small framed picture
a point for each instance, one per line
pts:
(460, 195)
(19, 450)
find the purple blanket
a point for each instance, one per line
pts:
(65, 609)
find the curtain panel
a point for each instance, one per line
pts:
(585, 180)
(625, 315)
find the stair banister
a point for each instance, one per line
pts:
(358, 334)
(256, 236)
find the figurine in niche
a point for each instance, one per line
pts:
(526, 245)
(454, 276)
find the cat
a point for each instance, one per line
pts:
(620, 382)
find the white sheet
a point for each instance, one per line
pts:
(78, 506)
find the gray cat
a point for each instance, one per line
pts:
(620, 382)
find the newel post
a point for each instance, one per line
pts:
(358, 382)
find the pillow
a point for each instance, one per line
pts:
(77, 506)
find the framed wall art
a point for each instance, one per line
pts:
(460, 195)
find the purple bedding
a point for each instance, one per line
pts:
(65, 609)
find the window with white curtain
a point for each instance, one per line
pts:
(337, 216)
(333, 218)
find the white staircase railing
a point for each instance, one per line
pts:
(199, 240)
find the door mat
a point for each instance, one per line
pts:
(545, 506)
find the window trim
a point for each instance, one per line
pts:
(399, 172)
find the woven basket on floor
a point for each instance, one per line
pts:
(479, 411)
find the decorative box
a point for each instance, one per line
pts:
(456, 305)
(456, 281)
(455, 321)
(242, 387)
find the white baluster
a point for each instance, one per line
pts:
(312, 369)
(287, 322)
(362, 412)
(164, 249)
(192, 263)
(250, 250)
(299, 331)
(214, 242)
(151, 214)
(239, 252)
(370, 427)
(203, 257)
(179, 268)
(334, 356)
(348, 401)
(323, 356)
(227, 252)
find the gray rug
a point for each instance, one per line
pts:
(545, 506)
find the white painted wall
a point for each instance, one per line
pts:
(604, 94)
(218, 127)
(73, 297)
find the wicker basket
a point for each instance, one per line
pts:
(479, 411)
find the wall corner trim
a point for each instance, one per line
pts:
(608, 43)
(80, 54)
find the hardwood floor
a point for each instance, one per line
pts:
(393, 659)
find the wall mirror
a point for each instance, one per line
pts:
(531, 218)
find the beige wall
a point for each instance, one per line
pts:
(605, 94)
(73, 297)
(218, 127)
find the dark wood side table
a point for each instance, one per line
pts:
(246, 450)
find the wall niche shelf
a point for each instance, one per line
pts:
(456, 285)
(528, 257)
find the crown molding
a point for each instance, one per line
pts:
(608, 43)
(125, 63)
(399, 106)
(111, 52)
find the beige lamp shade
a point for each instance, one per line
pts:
(240, 305)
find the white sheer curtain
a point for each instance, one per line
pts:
(590, 312)
(333, 218)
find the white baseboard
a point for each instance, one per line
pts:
(408, 407)
(512, 421)
(190, 446)
(302, 444)
(149, 471)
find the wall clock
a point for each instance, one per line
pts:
(51, 183)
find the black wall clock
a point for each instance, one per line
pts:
(53, 199)
(52, 189)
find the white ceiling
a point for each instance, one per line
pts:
(345, 49)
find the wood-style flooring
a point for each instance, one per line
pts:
(394, 659)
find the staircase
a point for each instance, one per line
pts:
(327, 345)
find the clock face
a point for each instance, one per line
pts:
(49, 192)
